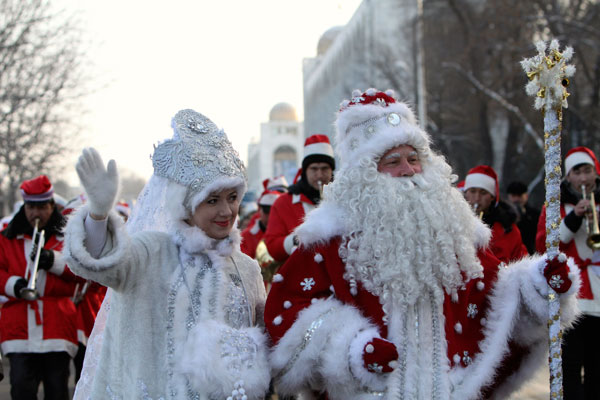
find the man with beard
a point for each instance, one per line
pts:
(581, 347)
(482, 191)
(303, 196)
(392, 292)
(38, 336)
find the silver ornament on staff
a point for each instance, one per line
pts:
(549, 75)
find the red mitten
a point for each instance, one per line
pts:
(377, 355)
(556, 273)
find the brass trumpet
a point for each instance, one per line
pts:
(320, 189)
(593, 231)
(29, 292)
(79, 294)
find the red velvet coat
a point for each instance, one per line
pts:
(490, 337)
(44, 325)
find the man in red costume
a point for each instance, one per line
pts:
(581, 348)
(39, 336)
(483, 194)
(392, 292)
(254, 233)
(303, 196)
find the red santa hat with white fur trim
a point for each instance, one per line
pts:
(268, 197)
(37, 190)
(277, 183)
(317, 148)
(123, 208)
(373, 122)
(483, 177)
(580, 155)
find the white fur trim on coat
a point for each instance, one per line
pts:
(357, 365)
(210, 372)
(515, 297)
(315, 350)
(76, 251)
(9, 286)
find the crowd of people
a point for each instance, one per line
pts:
(372, 276)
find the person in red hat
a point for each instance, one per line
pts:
(392, 292)
(302, 197)
(39, 336)
(483, 194)
(254, 233)
(580, 347)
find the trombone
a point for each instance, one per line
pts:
(593, 231)
(29, 292)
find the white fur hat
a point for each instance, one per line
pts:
(373, 122)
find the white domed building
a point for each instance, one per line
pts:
(278, 150)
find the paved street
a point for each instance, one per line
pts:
(537, 389)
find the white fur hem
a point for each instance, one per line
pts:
(314, 353)
(75, 251)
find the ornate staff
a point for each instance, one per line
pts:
(548, 76)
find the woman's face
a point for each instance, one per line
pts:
(217, 213)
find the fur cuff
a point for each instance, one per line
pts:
(218, 359)
(58, 267)
(76, 253)
(9, 287)
(316, 349)
(368, 379)
(534, 290)
(288, 243)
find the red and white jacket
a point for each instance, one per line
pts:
(88, 309)
(44, 325)
(573, 244)
(251, 236)
(485, 341)
(287, 213)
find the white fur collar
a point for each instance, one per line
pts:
(194, 240)
(329, 220)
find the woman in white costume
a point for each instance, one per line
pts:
(180, 320)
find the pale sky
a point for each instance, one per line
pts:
(230, 60)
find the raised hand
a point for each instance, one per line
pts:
(100, 183)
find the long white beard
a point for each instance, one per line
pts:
(407, 236)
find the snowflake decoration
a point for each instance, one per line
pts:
(307, 284)
(466, 359)
(549, 75)
(556, 282)
(357, 99)
(472, 310)
(376, 368)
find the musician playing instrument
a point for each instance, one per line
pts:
(483, 194)
(302, 197)
(39, 336)
(580, 345)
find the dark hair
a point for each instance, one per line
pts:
(265, 209)
(517, 188)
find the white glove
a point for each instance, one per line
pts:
(100, 183)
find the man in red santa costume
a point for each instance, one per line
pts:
(40, 335)
(392, 293)
(482, 191)
(303, 196)
(581, 348)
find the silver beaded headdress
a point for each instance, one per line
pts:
(198, 157)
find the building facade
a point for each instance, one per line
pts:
(278, 150)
